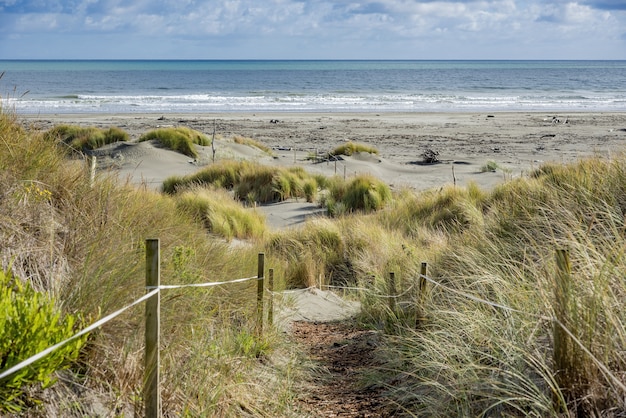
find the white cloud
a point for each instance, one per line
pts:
(336, 28)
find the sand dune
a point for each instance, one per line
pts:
(465, 142)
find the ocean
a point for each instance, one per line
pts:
(76, 86)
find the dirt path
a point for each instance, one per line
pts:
(341, 351)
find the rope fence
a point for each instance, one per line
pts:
(152, 396)
(152, 299)
(563, 274)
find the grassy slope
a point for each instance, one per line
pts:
(85, 244)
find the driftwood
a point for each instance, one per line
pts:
(430, 156)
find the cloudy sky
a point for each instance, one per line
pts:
(313, 29)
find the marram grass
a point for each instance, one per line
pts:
(350, 148)
(84, 244)
(82, 139)
(180, 139)
(221, 214)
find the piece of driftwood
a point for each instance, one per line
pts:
(430, 156)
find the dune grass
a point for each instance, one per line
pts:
(251, 182)
(221, 214)
(238, 139)
(180, 139)
(455, 352)
(363, 193)
(350, 148)
(83, 139)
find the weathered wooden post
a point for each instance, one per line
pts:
(422, 283)
(270, 305)
(392, 292)
(563, 355)
(259, 293)
(420, 311)
(152, 393)
(92, 170)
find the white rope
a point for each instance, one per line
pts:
(474, 298)
(90, 328)
(379, 295)
(208, 284)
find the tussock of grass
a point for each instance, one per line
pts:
(220, 214)
(350, 148)
(312, 254)
(85, 138)
(180, 139)
(251, 182)
(363, 193)
(450, 209)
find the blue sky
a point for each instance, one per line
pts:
(313, 29)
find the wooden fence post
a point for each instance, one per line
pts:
(420, 311)
(392, 292)
(259, 293)
(152, 395)
(563, 355)
(422, 283)
(270, 305)
(92, 170)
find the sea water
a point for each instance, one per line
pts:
(77, 86)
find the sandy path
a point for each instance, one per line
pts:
(341, 352)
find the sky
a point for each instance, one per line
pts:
(313, 29)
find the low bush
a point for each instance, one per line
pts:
(31, 322)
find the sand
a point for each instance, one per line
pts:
(464, 142)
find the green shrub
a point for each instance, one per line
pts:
(181, 139)
(29, 323)
(85, 138)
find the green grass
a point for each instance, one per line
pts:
(84, 244)
(179, 139)
(363, 193)
(83, 139)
